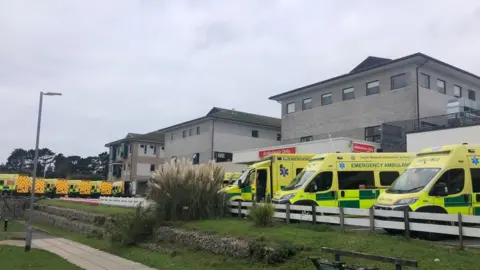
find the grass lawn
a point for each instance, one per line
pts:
(16, 258)
(14, 229)
(425, 253)
(98, 209)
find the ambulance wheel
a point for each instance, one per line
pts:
(431, 236)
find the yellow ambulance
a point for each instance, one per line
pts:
(352, 180)
(264, 178)
(442, 179)
(8, 183)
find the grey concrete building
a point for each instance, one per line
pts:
(376, 91)
(217, 134)
(134, 158)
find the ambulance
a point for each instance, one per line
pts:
(262, 179)
(8, 183)
(230, 177)
(351, 180)
(442, 179)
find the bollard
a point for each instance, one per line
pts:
(5, 227)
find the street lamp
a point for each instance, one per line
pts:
(28, 238)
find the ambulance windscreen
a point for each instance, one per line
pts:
(413, 180)
(299, 180)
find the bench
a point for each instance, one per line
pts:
(322, 264)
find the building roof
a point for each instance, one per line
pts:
(373, 62)
(233, 115)
(153, 137)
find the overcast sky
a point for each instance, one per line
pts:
(137, 66)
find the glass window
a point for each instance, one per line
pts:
(173, 136)
(291, 107)
(471, 94)
(441, 86)
(413, 180)
(323, 181)
(387, 178)
(279, 136)
(190, 132)
(198, 130)
(454, 179)
(475, 180)
(152, 167)
(373, 88)
(299, 180)
(306, 139)
(355, 180)
(398, 81)
(307, 104)
(255, 133)
(184, 133)
(298, 170)
(457, 91)
(326, 99)
(373, 134)
(424, 80)
(348, 93)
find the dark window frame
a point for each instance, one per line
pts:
(388, 173)
(306, 138)
(198, 131)
(255, 133)
(372, 90)
(309, 103)
(279, 137)
(448, 184)
(459, 88)
(288, 105)
(320, 176)
(373, 134)
(184, 133)
(472, 93)
(190, 132)
(326, 95)
(392, 81)
(422, 76)
(475, 181)
(444, 89)
(348, 184)
(346, 95)
(152, 167)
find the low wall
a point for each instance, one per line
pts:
(72, 214)
(13, 208)
(68, 224)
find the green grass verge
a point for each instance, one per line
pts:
(16, 258)
(424, 252)
(97, 209)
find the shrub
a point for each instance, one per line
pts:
(262, 214)
(270, 252)
(128, 229)
(183, 191)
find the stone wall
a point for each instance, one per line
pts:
(13, 208)
(68, 224)
(212, 243)
(71, 214)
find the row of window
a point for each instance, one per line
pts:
(348, 180)
(373, 87)
(145, 147)
(255, 134)
(441, 87)
(190, 133)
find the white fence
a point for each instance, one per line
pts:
(124, 202)
(459, 225)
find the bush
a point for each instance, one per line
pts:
(183, 191)
(262, 214)
(270, 252)
(128, 229)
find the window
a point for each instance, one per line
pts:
(190, 132)
(424, 81)
(441, 87)
(326, 99)
(398, 81)
(173, 135)
(151, 146)
(373, 88)
(387, 178)
(279, 137)
(130, 148)
(163, 147)
(223, 156)
(307, 104)
(323, 181)
(475, 180)
(298, 170)
(355, 180)
(184, 133)
(291, 107)
(348, 93)
(255, 133)
(152, 167)
(471, 94)
(198, 130)
(306, 139)
(142, 146)
(196, 158)
(155, 150)
(457, 91)
(145, 149)
(373, 134)
(454, 179)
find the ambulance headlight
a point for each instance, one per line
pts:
(406, 201)
(287, 197)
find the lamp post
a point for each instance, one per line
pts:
(28, 238)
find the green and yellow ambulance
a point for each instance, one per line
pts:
(352, 180)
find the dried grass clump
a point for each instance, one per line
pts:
(184, 191)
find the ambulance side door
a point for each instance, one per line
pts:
(475, 174)
(286, 173)
(458, 199)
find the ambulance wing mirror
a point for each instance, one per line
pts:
(440, 189)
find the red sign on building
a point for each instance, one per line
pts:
(360, 147)
(289, 150)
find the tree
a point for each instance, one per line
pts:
(18, 161)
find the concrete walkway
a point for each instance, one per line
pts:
(81, 255)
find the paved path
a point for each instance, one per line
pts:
(81, 255)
